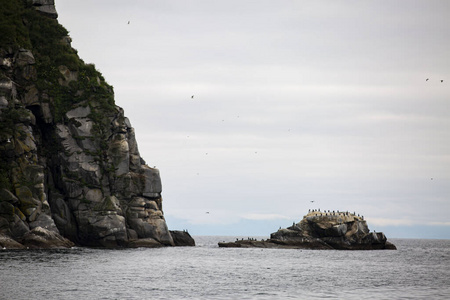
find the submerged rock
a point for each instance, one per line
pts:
(320, 230)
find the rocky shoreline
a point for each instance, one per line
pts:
(322, 231)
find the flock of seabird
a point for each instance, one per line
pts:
(333, 213)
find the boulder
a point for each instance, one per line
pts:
(182, 238)
(40, 238)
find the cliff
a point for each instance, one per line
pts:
(323, 230)
(70, 168)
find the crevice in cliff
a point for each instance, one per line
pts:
(48, 149)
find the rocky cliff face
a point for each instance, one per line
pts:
(323, 230)
(70, 169)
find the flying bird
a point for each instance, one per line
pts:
(128, 22)
(442, 80)
(312, 201)
(427, 79)
(192, 97)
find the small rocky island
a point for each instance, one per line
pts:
(322, 231)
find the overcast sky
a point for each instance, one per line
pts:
(294, 102)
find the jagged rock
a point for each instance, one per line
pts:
(69, 160)
(319, 230)
(68, 76)
(47, 7)
(182, 238)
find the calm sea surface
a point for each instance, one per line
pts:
(419, 269)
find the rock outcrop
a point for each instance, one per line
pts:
(46, 7)
(182, 238)
(70, 168)
(323, 230)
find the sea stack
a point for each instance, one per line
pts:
(317, 230)
(70, 168)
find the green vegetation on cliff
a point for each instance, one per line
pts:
(13, 32)
(22, 27)
(61, 78)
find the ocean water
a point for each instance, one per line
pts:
(419, 269)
